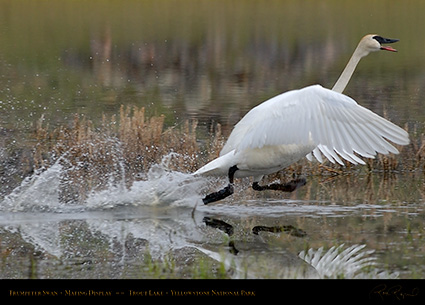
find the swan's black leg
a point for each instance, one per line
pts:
(227, 191)
(287, 187)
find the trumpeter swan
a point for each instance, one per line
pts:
(304, 123)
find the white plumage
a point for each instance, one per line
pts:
(312, 121)
(308, 122)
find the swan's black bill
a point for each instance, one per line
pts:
(383, 40)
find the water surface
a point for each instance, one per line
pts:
(211, 61)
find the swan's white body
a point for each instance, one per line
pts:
(303, 123)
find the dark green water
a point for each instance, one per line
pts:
(211, 61)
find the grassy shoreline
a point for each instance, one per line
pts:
(125, 146)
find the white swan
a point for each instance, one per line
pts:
(303, 123)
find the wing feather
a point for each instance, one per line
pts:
(363, 148)
(356, 141)
(317, 155)
(331, 121)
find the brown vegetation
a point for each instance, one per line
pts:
(117, 151)
(121, 149)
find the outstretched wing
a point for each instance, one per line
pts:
(331, 121)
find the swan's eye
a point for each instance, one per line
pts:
(378, 39)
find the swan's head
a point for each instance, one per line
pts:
(374, 42)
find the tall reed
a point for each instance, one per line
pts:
(123, 149)
(118, 151)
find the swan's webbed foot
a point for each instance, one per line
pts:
(221, 194)
(226, 192)
(287, 187)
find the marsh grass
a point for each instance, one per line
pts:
(125, 146)
(120, 150)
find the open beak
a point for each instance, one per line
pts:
(387, 48)
(383, 40)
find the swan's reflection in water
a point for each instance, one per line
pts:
(119, 243)
(254, 255)
(228, 229)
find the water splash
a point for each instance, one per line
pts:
(42, 191)
(160, 186)
(156, 208)
(157, 211)
(38, 192)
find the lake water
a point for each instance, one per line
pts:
(211, 61)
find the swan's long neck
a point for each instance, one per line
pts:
(343, 80)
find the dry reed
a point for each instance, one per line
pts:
(117, 151)
(120, 150)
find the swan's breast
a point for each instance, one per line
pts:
(269, 159)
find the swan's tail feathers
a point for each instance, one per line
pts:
(217, 167)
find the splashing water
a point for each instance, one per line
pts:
(159, 209)
(161, 187)
(156, 209)
(38, 192)
(41, 191)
